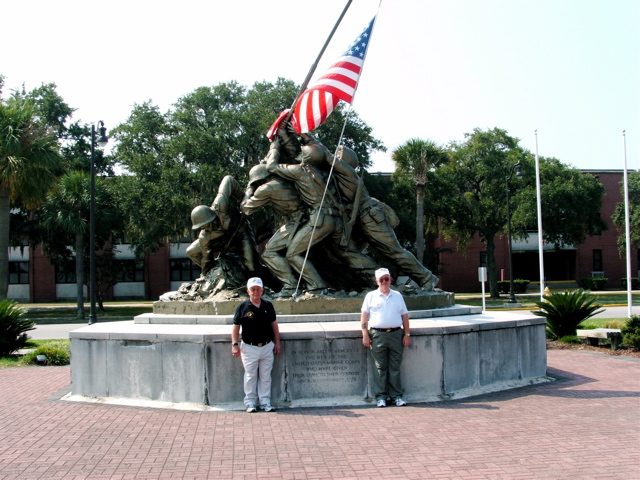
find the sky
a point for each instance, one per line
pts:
(568, 69)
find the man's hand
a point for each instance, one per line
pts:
(366, 340)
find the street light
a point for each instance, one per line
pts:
(518, 169)
(102, 141)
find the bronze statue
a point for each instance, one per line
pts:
(224, 232)
(267, 189)
(376, 219)
(320, 215)
(324, 221)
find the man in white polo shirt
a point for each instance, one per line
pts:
(384, 320)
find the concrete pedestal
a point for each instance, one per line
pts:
(455, 352)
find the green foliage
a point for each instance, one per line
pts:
(519, 286)
(571, 339)
(594, 283)
(177, 159)
(631, 333)
(619, 216)
(469, 196)
(635, 285)
(566, 311)
(615, 323)
(57, 353)
(13, 326)
(417, 159)
(571, 203)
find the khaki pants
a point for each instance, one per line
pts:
(258, 362)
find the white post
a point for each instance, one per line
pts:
(482, 277)
(627, 228)
(539, 204)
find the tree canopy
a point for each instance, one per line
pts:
(175, 160)
(468, 194)
(619, 220)
(29, 161)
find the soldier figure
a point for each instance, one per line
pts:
(266, 189)
(323, 221)
(222, 227)
(376, 219)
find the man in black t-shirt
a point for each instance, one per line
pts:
(260, 341)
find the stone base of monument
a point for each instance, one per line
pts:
(305, 304)
(185, 361)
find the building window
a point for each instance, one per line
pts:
(597, 261)
(184, 270)
(131, 271)
(483, 259)
(121, 240)
(18, 273)
(66, 272)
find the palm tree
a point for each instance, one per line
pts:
(416, 158)
(29, 161)
(67, 211)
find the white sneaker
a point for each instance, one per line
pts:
(267, 407)
(382, 403)
(251, 409)
(400, 402)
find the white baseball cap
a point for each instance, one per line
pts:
(382, 272)
(254, 282)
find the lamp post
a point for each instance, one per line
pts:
(518, 170)
(102, 141)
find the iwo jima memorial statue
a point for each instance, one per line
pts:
(317, 266)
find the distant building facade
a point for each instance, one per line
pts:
(34, 279)
(598, 256)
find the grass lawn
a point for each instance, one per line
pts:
(66, 313)
(528, 301)
(18, 361)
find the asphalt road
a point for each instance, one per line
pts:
(55, 331)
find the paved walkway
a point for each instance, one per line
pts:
(585, 425)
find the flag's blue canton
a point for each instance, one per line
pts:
(359, 47)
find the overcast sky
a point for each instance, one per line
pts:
(435, 69)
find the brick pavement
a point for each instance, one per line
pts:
(584, 425)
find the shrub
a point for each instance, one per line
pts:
(634, 283)
(631, 333)
(573, 339)
(13, 326)
(519, 285)
(619, 324)
(57, 353)
(566, 311)
(594, 283)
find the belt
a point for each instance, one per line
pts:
(258, 344)
(387, 330)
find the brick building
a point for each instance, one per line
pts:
(32, 278)
(597, 257)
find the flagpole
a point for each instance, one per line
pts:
(315, 64)
(627, 227)
(539, 205)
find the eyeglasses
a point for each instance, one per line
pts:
(385, 279)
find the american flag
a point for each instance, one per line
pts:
(338, 83)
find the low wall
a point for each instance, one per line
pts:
(322, 362)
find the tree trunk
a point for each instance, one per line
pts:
(419, 222)
(491, 267)
(5, 217)
(80, 275)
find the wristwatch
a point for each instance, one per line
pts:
(407, 334)
(234, 344)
